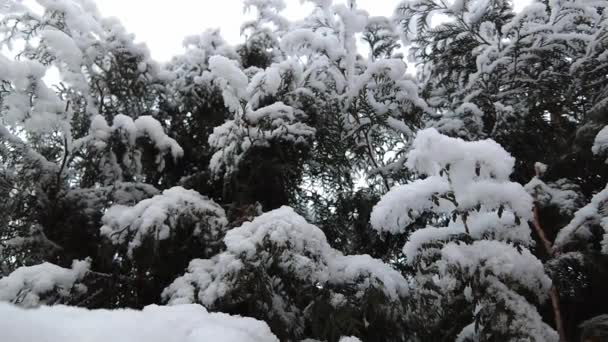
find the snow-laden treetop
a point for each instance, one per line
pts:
(461, 176)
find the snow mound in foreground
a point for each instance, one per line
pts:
(184, 323)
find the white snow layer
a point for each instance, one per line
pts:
(594, 213)
(229, 70)
(499, 260)
(183, 323)
(404, 203)
(143, 126)
(432, 152)
(482, 225)
(349, 339)
(600, 145)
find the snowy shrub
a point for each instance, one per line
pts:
(162, 217)
(30, 286)
(158, 236)
(281, 269)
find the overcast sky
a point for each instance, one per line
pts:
(162, 25)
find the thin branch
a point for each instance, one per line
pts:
(559, 325)
(541, 233)
(553, 294)
(66, 154)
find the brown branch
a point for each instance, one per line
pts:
(553, 294)
(536, 222)
(541, 233)
(559, 324)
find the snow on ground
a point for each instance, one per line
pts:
(183, 323)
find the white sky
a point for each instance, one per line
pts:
(162, 25)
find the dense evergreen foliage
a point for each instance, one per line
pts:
(306, 178)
